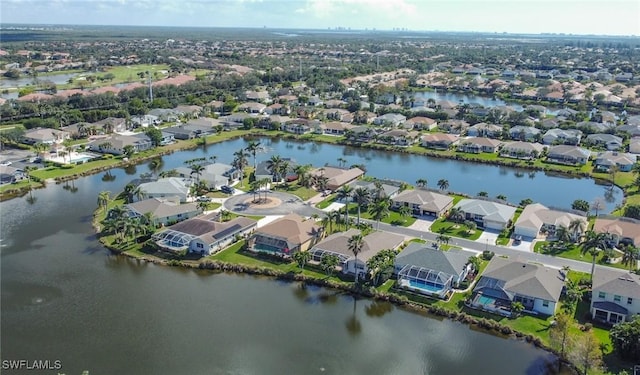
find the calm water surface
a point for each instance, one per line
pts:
(64, 298)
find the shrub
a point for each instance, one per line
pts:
(487, 255)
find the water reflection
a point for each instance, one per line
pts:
(378, 308)
(353, 325)
(131, 169)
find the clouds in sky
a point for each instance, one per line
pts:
(619, 17)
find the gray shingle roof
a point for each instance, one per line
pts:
(616, 282)
(420, 255)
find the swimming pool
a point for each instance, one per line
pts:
(421, 285)
(486, 300)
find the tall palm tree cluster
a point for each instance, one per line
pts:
(124, 226)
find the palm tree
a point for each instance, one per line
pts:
(443, 184)
(240, 162)
(563, 234)
(104, 197)
(594, 243)
(380, 210)
(265, 184)
(355, 244)
(255, 186)
(344, 193)
(421, 182)
(284, 169)
(252, 148)
(40, 148)
(483, 194)
(576, 227)
(155, 165)
(301, 257)
(329, 263)
(455, 214)
(404, 212)
(197, 170)
(302, 171)
(273, 165)
(501, 197)
(630, 256)
(443, 239)
(362, 198)
(342, 161)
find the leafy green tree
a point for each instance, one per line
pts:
(561, 337)
(329, 263)
(155, 135)
(381, 264)
(625, 338)
(301, 257)
(632, 211)
(104, 197)
(128, 151)
(404, 212)
(580, 204)
(421, 183)
(586, 352)
(630, 256)
(443, 184)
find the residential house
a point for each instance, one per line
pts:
(423, 202)
(163, 211)
(562, 136)
(299, 126)
(164, 114)
(615, 296)
(568, 155)
(536, 218)
(188, 111)
(167, 188)
(144, 121)
(195, 128)
(112, 124)
(549, 123)
(632, 130)
(476, 145)
(335, 128)
(621, 160)
(390, 119)
(116, 143)
(338, 244)
(214, 175)
(10, 175)
(622, 229)
(388, 190)
(504, 281)
(634, 145)
(337, 177)
(361, 134)
(454, 126)
(398, 137)
(286, 236)
(335, 103)
(609, 141)
(264, 172)
(45, 135)
(593, 127)
(483, 129)
(203, 234)
(521, 150)
(252, 107)
(277, 109)
(234, 120)
(486, 214)
(258, 96)
(421, 123)
(439, 141)
(423, 269)
(524, 133)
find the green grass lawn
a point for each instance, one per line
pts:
(450, 228)
(326, 202)
(572, 251)
(301, 192)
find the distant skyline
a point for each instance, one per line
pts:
(600, 17)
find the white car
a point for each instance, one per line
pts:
(6, 163)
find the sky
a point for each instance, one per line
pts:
(602, 17)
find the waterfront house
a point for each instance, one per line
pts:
(421, 123)
(423, 202)
(504, 281)
(476, 145)
(335, 128)
(45, 135)
(286, 235)
(386, 189)
(622, 229)
(609, 141)
(203, 234)
(562, 136)
(398, 137)
(337, 177)
(10, 175)
(390, 119)
(338, 244)
(264, 172)
(454, 126)
(536, 218)
(483, 129)
(486, 214)
(524, 133)
(214, 175)
(615, 296)
(521, 150)
(193, 129)
(298, 126)
(167, 188)
(565, 154)
(116, 143)
(423, 269)
(609, 159)
(439, 141)
(163, 211)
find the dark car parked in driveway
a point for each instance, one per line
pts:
(227, 189)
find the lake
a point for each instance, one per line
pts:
(65, 298)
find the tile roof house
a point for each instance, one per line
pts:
(504, 281)
(609, 141)
(476, 145)
(622, 160)
(45, 135)
(423, 202)
(486, 214)
(422, 123)
(483, 129)
(167, 188)
(536, 218)
(438, 141)
(524, 133)
(398, 137)
(203, 234)
(623, 229)
(286, 235)
(338, 176)
(116, 143)
(335, 128)
(521, 150)
(615, 296)
(390, 119)
(338, 244)
(573, 155)
(562, 136)
(163, 211)
(454, 126)
(423, 269)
